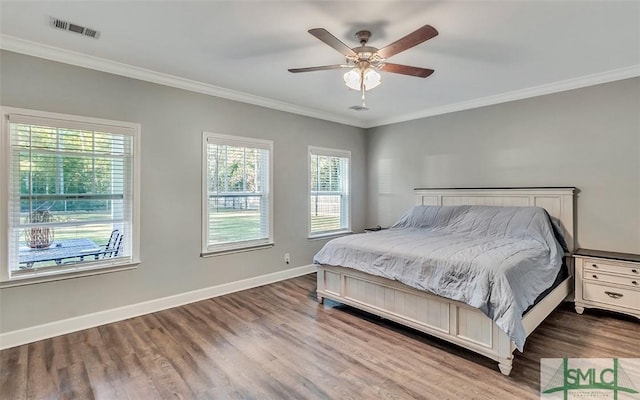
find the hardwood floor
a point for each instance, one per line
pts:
(277, 342)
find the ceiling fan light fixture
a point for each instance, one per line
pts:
(371, 79)
(354, 78)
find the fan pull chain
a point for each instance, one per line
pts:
(362, 87)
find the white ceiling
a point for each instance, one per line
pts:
(486, 53)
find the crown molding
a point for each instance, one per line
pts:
(549, 88)
(40, 50)
(18, 45)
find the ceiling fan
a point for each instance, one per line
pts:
(364, 61)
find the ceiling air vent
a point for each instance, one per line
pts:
(68, 26)
(57, 23)
(359, 108)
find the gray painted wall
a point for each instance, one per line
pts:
(588, 138)
(172, 124)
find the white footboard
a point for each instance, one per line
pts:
(447, 319)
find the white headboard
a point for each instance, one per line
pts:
(557, 201)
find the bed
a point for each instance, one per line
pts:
(449, 316)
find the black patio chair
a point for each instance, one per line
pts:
(113, 247)
(116, 249)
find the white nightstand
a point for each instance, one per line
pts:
(607, 280)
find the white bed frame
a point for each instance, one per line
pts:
(448, 319)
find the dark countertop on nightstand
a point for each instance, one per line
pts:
(611, 255)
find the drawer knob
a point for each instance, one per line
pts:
(594, 276)
(634, 282)
(614, 295)
(635, 271)
(594, 265)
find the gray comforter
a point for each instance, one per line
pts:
(497, 259)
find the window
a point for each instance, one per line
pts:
(329, 203)
(71, 197)
(237, 206)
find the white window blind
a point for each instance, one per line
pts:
(237, 204)
(329, 203)
(70, 187)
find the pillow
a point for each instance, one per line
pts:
(531, 223)
(433, 217)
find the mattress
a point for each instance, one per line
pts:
(496, 259)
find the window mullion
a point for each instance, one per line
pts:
(226, 169)
(93, 162)
(244, 169)
(317, 182)
(59, 181)
(30, 174)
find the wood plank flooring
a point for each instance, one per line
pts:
(277, 342)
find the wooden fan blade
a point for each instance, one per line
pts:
(321, 68)
(406, 70)
(407, 42)
(332, 41)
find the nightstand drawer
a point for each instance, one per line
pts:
(628, 280)
(599, 265)
(628, 298)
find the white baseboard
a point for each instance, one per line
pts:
(51, 329)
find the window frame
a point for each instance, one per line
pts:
(316, 150)
(10, 278)
(207, 250)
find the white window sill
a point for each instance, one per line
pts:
(236, 250)
(36, 276)
(329, 235)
